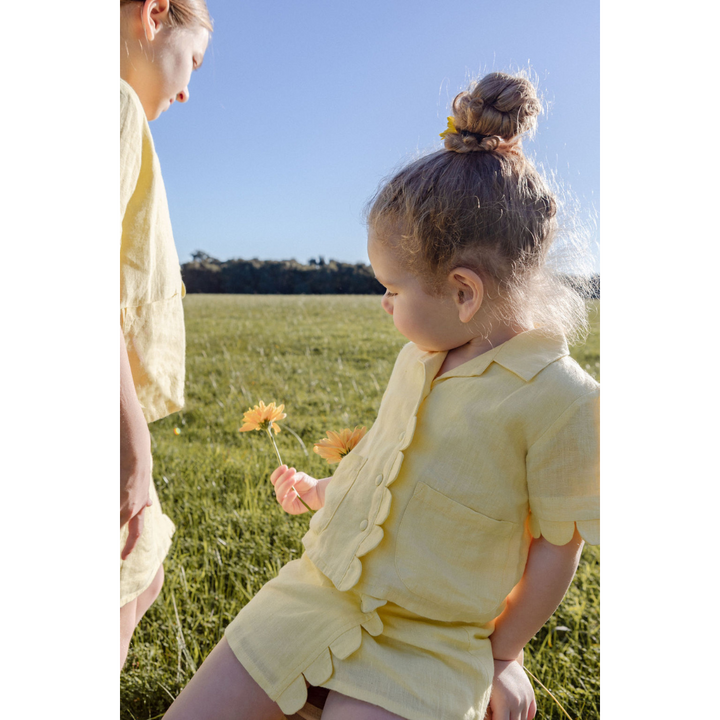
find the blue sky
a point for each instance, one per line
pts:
(300, 110)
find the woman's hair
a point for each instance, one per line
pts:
(182, 13)
(480, 203)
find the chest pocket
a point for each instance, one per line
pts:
(337, 489)
(453, 556)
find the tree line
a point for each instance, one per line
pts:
(206, 274)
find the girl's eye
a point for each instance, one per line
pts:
(390, 294)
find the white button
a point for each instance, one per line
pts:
(378, 479)
(363, 524)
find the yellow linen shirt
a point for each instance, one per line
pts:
(151, 288)
(435, 508)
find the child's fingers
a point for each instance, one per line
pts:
(285, 485)
(291, 503)
(288, 496)
(277, 473)
(303, 482)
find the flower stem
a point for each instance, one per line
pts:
(272, 440)
(557, 702)
(277, 452)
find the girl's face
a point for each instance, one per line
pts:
(430, 321)
(162, 65)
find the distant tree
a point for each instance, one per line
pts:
(206, 274)
(202, 256)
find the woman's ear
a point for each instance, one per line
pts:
(154, 15)
(468, 292)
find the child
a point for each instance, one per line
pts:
(450, 534)
(161, 43)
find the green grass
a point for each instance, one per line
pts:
(328, 358)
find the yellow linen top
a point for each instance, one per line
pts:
(435, 508)
(151, 288)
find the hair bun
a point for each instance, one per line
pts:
(495, 110)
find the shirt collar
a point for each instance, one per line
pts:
(525, 355)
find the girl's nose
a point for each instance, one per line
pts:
(183, 95)
(387, 304)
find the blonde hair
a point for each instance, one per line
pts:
(481, 203)
(183, 13)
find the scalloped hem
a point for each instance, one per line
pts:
(353, 572)
(561, 532)
(320, 670)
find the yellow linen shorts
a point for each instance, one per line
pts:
(300, 628)
(141, 566)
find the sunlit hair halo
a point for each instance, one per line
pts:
(481, 203)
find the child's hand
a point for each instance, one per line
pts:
(512, 695)
(289, 484)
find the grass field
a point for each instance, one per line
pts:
(328, 359)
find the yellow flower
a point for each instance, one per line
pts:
(263, 417)
(451, 129)
(338, 444)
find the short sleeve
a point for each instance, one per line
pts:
(563, 475)
(131, 145)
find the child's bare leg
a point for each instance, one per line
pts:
(132, 612)
(223, 690)
(342, 707)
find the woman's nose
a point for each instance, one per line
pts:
(183, 95)
(387, 305)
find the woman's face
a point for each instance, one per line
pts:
(162, 59)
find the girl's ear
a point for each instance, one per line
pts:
(468, 292)
(154, 15)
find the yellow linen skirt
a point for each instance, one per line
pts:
(300, 628)
(140, 568)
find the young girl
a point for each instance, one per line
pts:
(161, 43)
(449, 535)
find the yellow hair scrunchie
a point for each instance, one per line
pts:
(451, 129)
